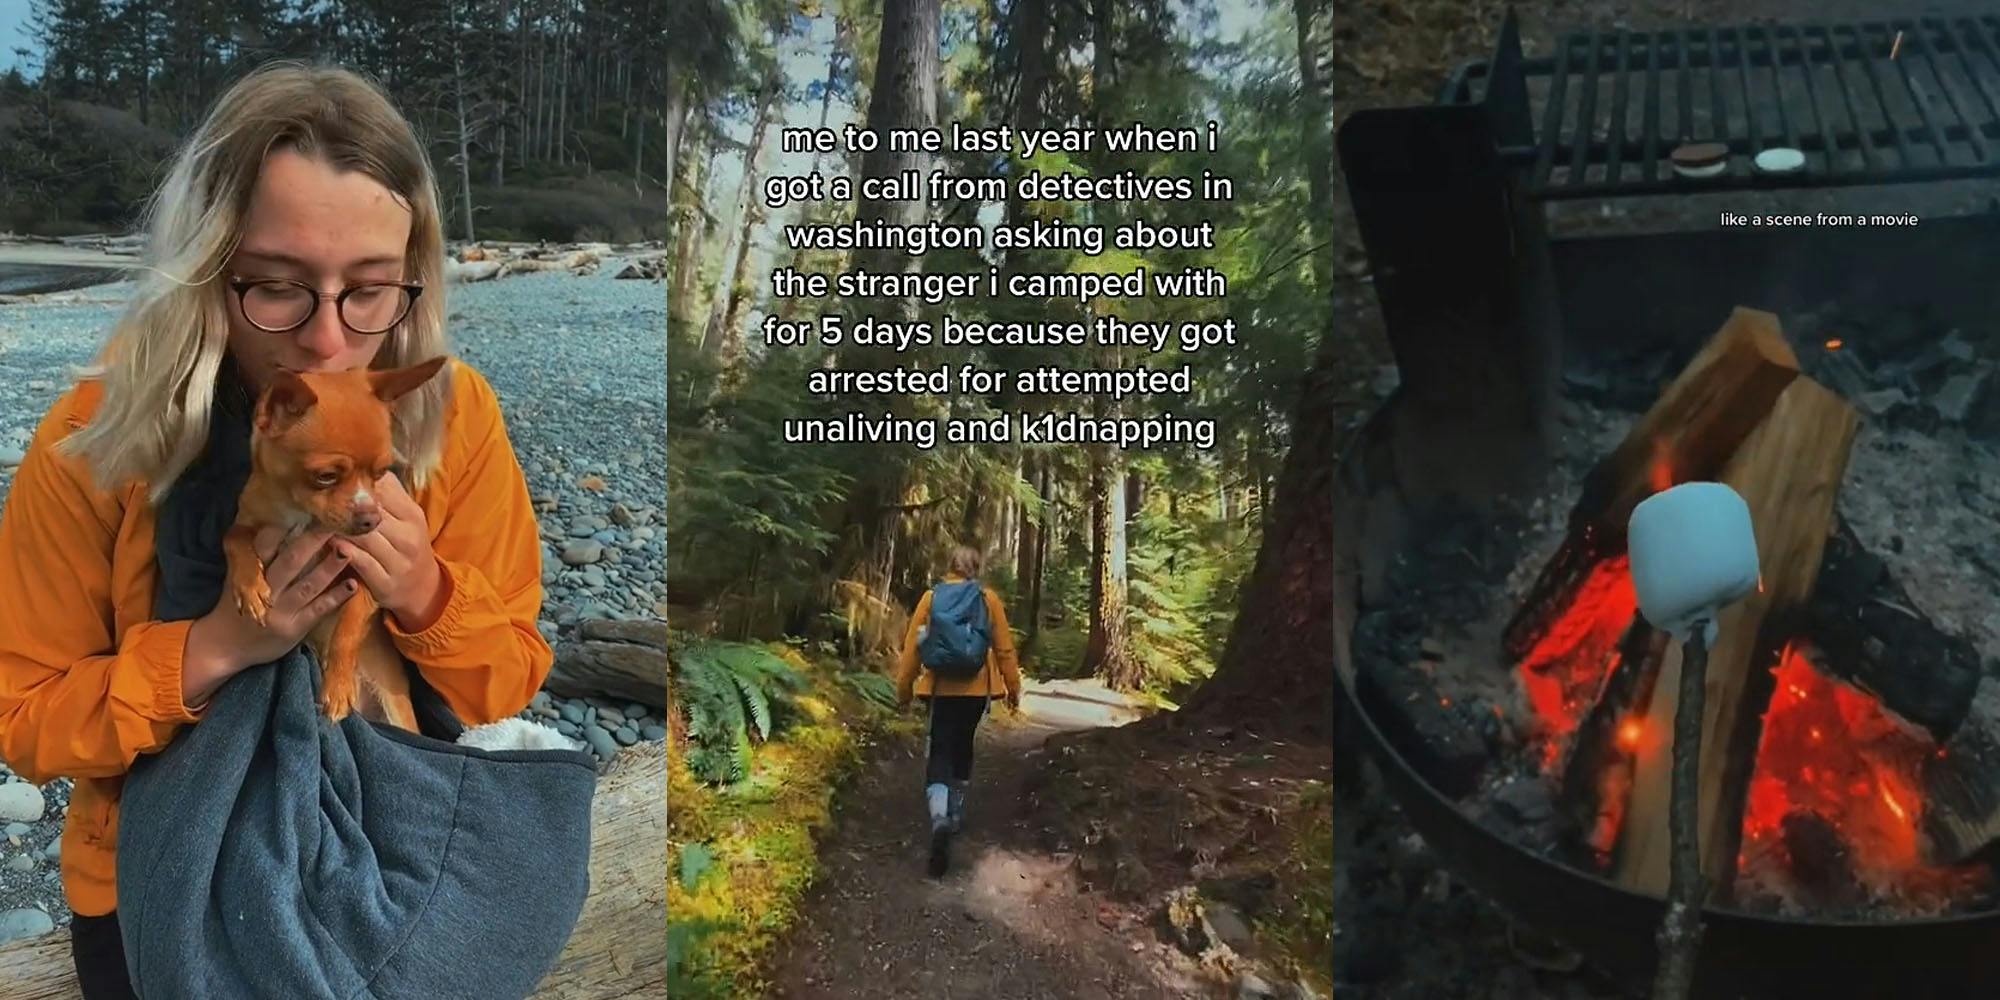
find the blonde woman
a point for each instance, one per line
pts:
(298, 228)
(958, 655)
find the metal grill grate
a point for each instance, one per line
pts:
(1907, 99)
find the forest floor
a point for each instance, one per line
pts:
(1019, 915)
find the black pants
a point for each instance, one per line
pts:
(954, 720)
(99, 953)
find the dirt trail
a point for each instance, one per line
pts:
(1007, 922)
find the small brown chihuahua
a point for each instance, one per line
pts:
(318, 444)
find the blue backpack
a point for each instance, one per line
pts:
(954, 645)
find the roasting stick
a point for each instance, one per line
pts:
(1680, 933)
(1692, 552)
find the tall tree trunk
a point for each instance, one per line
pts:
(677, 112)
(145, 19)
(1316, 136)
(522, 81)
(1278, 660)
(722, 339)
(1031, 37)
(1108, 652)
(692, 232)
(639, 159)
(904, 96)
(464, 124)
(1101, 61)
(1025, 529)
(1044, 486)
(625, 105)
(561, 137)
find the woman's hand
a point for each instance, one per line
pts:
(225, 641)
(395, 560)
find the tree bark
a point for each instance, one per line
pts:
(1278, 661)
(677, 110)
(1316, 135)
(691, 233)
(904, 97)
(464, 130)
(1108, 651)
(722, 339)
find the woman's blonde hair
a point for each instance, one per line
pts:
(965, 561)
(160, 363)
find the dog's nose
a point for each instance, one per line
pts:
(365, 523)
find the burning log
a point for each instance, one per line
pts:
(1701, 419)
(1597, 776)
(1962, 795)
(1872, 635)
(1788, 471)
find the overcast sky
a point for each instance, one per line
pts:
(13, 31)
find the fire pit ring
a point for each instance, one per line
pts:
(1742, 953)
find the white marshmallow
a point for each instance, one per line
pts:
(1693, 551)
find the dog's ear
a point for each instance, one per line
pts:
(393, 384)
(286, 400)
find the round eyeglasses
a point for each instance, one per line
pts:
(281, 305)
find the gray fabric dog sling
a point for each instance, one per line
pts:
(268, 852)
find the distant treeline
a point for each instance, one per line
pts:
(544, 117)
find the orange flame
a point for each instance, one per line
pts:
(1561, 673)
(1661, 473)
(1834, 344)
(1833, 751)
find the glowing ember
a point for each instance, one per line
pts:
(1834, 344)
(1661, 473)
(1562, 671)
(1628, 734)
(1833, 752)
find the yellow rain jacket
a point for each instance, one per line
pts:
(1003, 671)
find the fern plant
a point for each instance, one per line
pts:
(872, 686)
(730, 691)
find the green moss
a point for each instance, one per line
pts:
(763, 834)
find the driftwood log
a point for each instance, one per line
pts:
(648, 268)
(617, 952)
(624, 660)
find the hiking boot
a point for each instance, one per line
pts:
(940, 851)
(955, 811)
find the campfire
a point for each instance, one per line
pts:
(1849, 742)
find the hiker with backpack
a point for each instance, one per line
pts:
(957, 655)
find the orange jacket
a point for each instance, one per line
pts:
(88, 681)
(1003, 671)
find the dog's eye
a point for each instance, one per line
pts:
(326, 479)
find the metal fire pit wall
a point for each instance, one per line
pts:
(1869, 102)
(1742, 953)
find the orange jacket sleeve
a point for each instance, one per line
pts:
(1002, 652)
(76, 699)
(907, 664)
(484, 653)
